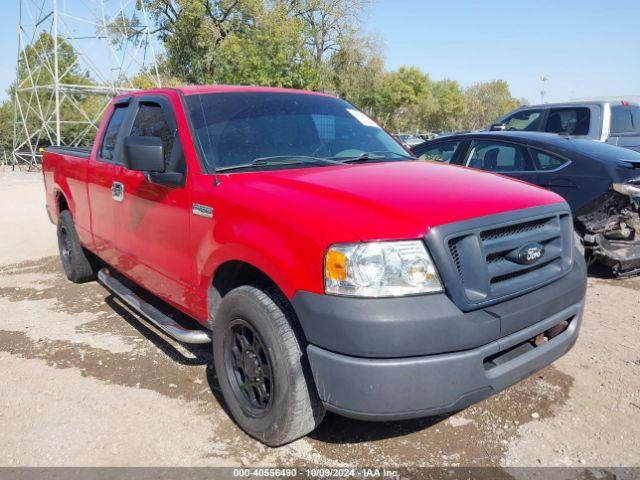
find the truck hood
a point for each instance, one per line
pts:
(390, 200)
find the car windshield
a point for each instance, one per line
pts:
(234, 129)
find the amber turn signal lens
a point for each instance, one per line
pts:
(335, 265)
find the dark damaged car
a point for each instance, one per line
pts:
(600, 182)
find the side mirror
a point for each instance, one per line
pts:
(144, 154)
(498, 127)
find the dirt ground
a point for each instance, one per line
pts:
(85, 382)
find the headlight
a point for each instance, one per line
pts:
(627, 189)
(380, 269)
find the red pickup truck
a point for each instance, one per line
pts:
(329, 269)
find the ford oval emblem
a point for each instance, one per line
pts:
(527, 254)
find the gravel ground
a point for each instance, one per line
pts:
(85, 382)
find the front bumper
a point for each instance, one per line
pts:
(420, 359)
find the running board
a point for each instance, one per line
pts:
(151, 313)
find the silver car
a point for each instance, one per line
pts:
(615, 122)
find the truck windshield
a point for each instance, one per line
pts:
(236, 128)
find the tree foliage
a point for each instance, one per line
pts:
(309, 44)
(486, 101)
(314, 44)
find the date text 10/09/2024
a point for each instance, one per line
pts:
(316, 472)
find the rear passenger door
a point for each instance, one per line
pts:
(505, 158)
(153, 230)
(554, 175)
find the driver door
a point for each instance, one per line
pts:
(153, 228)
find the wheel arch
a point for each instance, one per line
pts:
(234, 273)
(62, 203)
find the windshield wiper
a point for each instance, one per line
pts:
(281, 160)
(376, 155)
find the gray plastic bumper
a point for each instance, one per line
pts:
(391, 389)
(427, 324)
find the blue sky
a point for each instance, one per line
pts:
(587, 48)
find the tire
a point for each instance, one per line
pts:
(283, 405)
(79, 264)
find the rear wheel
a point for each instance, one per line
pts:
(79, 265)
(260, 364)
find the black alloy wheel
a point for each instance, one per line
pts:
(249, 368)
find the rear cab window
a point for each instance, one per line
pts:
(569, 121)
(625, 120)
(441, 152)
(110, 137)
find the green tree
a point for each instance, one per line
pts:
(271, 54)
(486, 101)
(451, 109)
(328, 24)
(289, 41)
(356, 73)
(192, 32)
(405, 100)
(6, 129)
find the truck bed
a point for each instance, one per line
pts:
(81, 152)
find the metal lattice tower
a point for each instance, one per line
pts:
(73, 57)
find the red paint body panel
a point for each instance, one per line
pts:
(279, 221)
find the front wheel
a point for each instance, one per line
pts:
(260, 363)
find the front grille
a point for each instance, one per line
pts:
(477, 258)
(510, 276)
(511, 230)
(456, 259)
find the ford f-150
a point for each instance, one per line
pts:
(329, 268)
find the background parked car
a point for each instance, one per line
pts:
(614, 122)
(600, 182)
(409, 140)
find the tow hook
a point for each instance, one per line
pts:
(547, 335)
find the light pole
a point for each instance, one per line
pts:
(544, 79)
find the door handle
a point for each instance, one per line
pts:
(117, 191)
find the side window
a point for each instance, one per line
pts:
(496, 157)
(110, 137)
(151, 121)
(525, 120)
(442, 152)
(625, 119)
(545, 161)
(570, 121)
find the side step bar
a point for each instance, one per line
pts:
(151, 313)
